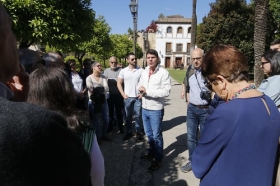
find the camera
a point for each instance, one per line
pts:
(205, 95)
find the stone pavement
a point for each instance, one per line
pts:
(123, 165)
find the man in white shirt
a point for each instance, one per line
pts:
(130, 77)
(154, 85)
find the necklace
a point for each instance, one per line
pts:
(251, 87)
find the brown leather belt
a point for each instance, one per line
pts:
(201, 106)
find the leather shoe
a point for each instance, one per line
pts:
(146, 157)
(155, 165)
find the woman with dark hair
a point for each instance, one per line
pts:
(238, 145)
(52, 89)
(97, 106)
(77, 82)
(271, 66)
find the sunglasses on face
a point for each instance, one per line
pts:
(113, 62)
(263, 63)
(99, 66)
(133, 59)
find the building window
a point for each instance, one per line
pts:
(179, 47)
(180, 30)
(169, 30)
(168, 47)
(189, 30)
(188, 48)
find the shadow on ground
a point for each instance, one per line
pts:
(168, 124)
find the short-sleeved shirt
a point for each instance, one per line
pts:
(131, 78)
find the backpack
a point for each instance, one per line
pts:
(189, 73)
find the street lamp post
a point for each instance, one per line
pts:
(134, 10)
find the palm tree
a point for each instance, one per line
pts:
(194, 22)
(261, 7)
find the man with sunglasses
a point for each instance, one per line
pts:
(194, 88)
(115, 100)
(132, 102)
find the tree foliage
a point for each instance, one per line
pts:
(100, 44)
(54, 22)
(274, 6)
(122, 45)
(230, 22)
(153, 27)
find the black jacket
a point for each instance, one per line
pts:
(37, 148)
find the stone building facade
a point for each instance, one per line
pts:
(173, 41)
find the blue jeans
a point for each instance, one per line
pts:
(195, 117)
(133, 105)
(95, 118)
(152, 120)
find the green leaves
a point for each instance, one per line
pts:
(54, 22)
(230, 22)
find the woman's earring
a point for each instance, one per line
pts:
(224, 94)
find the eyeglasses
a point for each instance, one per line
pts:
(197, 58)
(114, 62)
(209, 85)
(99, 66)
(133, 59)
(263, 63)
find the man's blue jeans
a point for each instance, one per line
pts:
(95, 118)
(152, 121)
(133, 105)
(195, 117)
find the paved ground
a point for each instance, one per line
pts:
(123, 165)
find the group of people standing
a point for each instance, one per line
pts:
(46, 139)
(240, 126)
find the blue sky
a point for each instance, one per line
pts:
(118, 16)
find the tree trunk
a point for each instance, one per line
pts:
(259, 37)
(193, 27)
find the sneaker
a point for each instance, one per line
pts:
(155, 165)
(147, 157)
(127, 136)
(186, 168)
(139, 136)
(106, 138)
